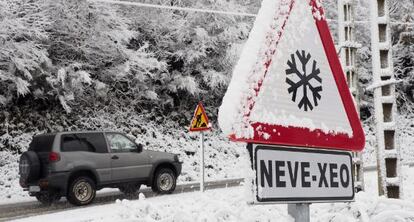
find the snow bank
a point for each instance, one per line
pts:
(216, 205)
(9, 178)
(232, 205)
(367, 207)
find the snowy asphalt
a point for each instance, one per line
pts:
(32, 208)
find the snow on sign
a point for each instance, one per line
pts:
(288, 87)
(200, 119)
(302, 175)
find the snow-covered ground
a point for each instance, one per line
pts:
(9, 178)
(231, 204)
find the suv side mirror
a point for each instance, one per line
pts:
(139, 147)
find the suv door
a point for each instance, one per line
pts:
(127, 162)
(86, 150)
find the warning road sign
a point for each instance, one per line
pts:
(200, 119)
(302, 175)
(288, 87)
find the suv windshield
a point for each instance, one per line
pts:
(42, 143)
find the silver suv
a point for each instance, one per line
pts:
(76, 164)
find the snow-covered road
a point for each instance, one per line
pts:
(231, 204)
(24, 209)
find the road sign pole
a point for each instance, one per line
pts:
(202, 161)
(200, 123)
(299, 212)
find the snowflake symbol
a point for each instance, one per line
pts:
(306, 81)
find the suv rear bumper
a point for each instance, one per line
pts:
(53, 182)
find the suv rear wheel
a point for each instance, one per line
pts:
(164, 181)
(82, 191)
(130, 190)
(47, 198)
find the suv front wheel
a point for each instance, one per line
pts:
(82, 191)
(165, 181)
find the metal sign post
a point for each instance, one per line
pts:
(200, 123)
(202, 161)
(299, 212)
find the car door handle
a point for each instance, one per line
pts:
(115, 157)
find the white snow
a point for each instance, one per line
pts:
(250, 68)
(383, 83)
(231, 204)
(10, 189)
(243, 104)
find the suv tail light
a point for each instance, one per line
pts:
(54, 157)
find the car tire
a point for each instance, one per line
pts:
(130, 190)
(47, 198)
(29, 167)
(82, 191)
(164, 181)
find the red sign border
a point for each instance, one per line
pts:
(303, 137)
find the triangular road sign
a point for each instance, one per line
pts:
(200, 119)
(288, 87)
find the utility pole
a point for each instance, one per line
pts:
(388, 153)
(348, 46)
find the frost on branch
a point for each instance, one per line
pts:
(305, 80)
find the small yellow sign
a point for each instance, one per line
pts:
(200, 119)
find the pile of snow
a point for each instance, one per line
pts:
(250, 69)
(9, 177)
(232, 204)
(214, 205)
(367, 207)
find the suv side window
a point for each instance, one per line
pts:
(119, 143)
(87, 142)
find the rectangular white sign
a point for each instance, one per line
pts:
(302, 175)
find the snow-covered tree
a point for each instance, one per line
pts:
(24, 61)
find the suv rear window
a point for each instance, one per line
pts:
(87, 142)
(42, 143)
